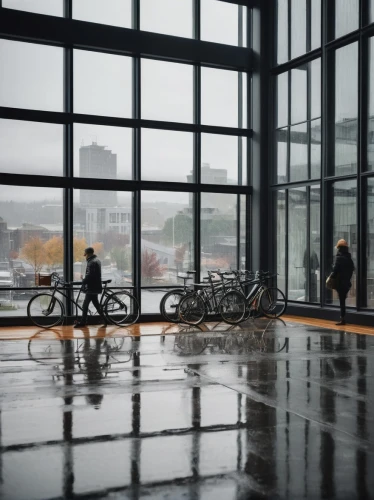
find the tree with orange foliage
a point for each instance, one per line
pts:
(54, 252)
(151, 267)
(13, 255)
(33, 253)
(79, 245)
(99, 249)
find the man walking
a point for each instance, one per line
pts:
(91, 285)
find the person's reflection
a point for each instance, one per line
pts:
(94, 364)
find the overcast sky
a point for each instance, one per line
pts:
(102, 86)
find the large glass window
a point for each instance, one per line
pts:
(166, 236)
(346, 16)
(370, 244)
(313, 280)
(315, 6)
(370, 153)
(218, 231)
(31, 76)
(299, 152)
(315, 88)
(219, 157)
(282, 140)
(282, 27)
(220, 22)
(167, 91)
(282, 100)
(167, 16)
(31, 241)
(103, 220)
(102, 152)
(31, 147)
(299, 94)
(298, 28)
(219, 97)
(345, 226)
(102, 84)
(281, 218)
(112, 12)
(297, 244)
(49, 7)
(346, 109)
(167, 156)
(315, 149)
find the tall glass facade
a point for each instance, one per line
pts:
(324, 147)
(143, 158)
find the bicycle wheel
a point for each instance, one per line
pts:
(273, 303)
(121, 308)
(192, 309)
(45, 311)
(232, 307)
(169, 305)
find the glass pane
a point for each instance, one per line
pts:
(346, 109)
(243, 147)
(31, 241)
(41, 66)
(346, 16)
(31, 147)
(167, 91)
(243, 26)
(281, 239)
(167, 236)
(244, 220)
(315, 88)
(297, 243)
(315, 244)
(112, 12)
(371, 11)
(316, 24)
(282, 99)
(282, 138)
(49, 7)
(370, 158)
(345, 226)
(299, 94)
(219, 22)
(219, 97)
(102, 152)
(167, 16)
(218, 231)
(298, 152)
(107, 92)
(298, 28)
(315, 149)
(282, 26)
(167, 155)
(219, 159)
(370, 244)
(103, 220)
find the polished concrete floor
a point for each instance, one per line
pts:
(271, 409)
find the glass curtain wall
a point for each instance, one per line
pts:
(143, 159)
(323, 153)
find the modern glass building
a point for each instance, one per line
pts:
(186, 134)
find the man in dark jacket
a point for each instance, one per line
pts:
(342, 272)
(91, 285)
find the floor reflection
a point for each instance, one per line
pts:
(212, 413)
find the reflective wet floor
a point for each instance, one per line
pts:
(267, 410)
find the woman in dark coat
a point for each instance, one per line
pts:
(342, 272)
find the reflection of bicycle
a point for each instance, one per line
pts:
(47, 310)
(93, 356)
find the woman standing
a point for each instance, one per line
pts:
(342, 272)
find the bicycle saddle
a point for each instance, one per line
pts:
(106, 282)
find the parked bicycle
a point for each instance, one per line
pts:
(46, 309)
(170, 301)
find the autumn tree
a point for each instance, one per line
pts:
(151, 267)
(99, 249)
(79, 245)
(121, 257)
(54, 251)
(13, 255)
(33, 253)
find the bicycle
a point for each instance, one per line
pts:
(170, 301)
(236, 306)
(194, 306)
(46, 310)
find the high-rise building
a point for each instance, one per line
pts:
(97, 162)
